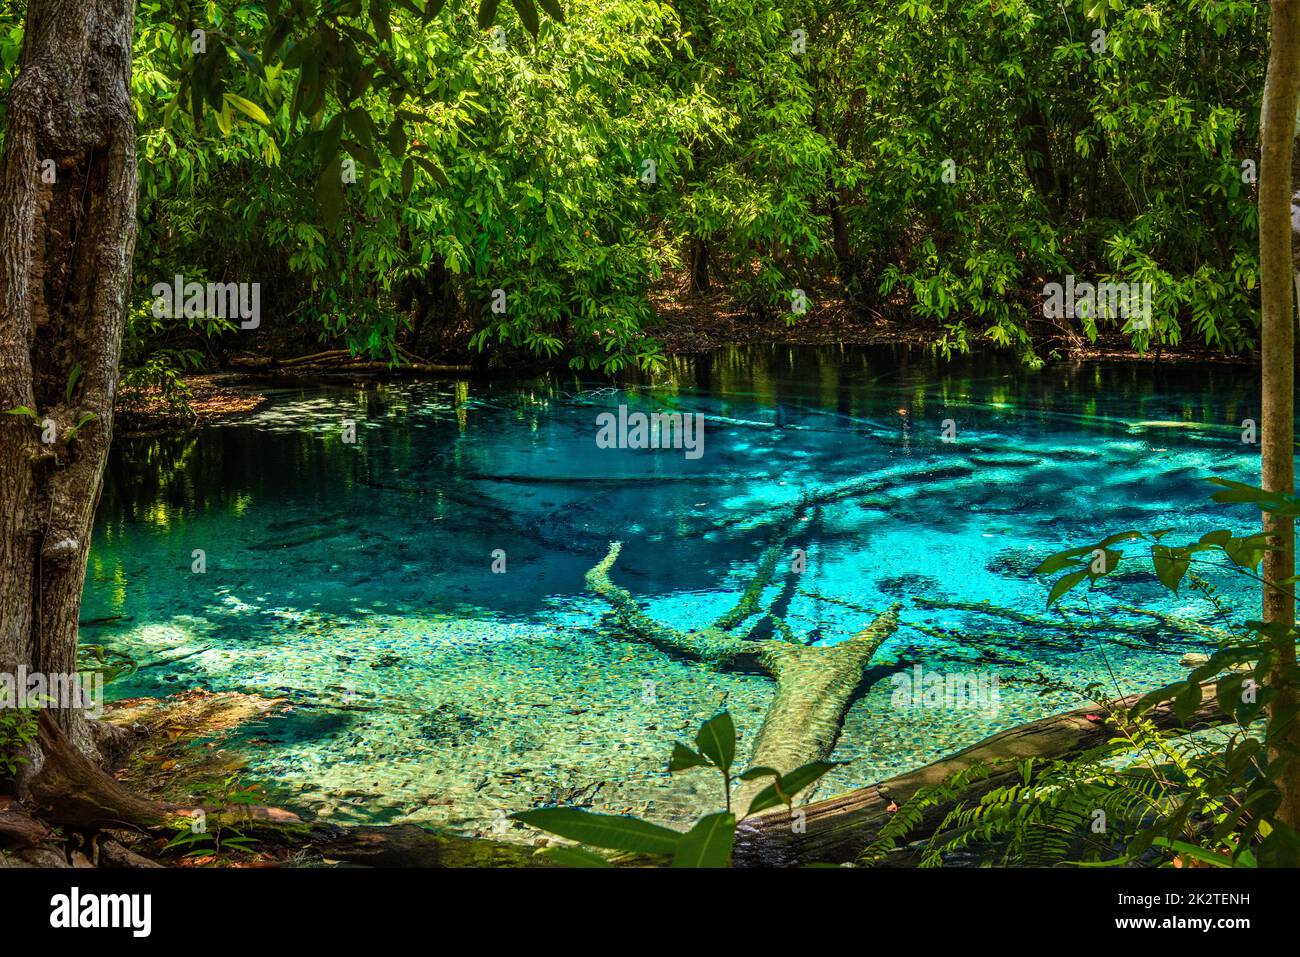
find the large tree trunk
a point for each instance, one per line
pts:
(66, 251)
(1277, 135)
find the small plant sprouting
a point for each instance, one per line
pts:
(709, 843)
(85, 419)
(200, 841)
(17, 732)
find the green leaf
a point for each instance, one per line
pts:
(487, 11)
(613, 832)
(248, 108)
(528, 14)
(553, 9)
(1153, 698)
(1227, 691)
(1188, 700)
(397, 138)
(1237, 493)
(787, 787)
(1118, 537)
(1194, 852)
(1110, 560)
(327, 147)
(717, 740)
(1171, 565)
(708, 843)
(329, 191)
(1064, 584)
(379, 17)
(275, 37)
(297, 54)
(759, 772)
(806, 775)
(408, 177)
(72, 432)
(1054, 563)
(1247, 552)
(434, 170)
(575, 857)
(1281, 848)
(683, 758)
(362, 126)
(72, 383)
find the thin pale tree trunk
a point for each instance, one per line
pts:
(1277, 135)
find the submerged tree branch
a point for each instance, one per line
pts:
(814, 685)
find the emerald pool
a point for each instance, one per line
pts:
(355, 579)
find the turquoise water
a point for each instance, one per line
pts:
(355, 580)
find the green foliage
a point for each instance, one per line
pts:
(474, 169)
(213, 836)
(1143, 798)
(1146, 796)
(614, 832)
(1207, 800)
(708, 843)
(17, 732)
(943, 157)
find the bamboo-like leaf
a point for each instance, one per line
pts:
(379, 17)
(610, 831)
(1064, 584)
(575, 857)
(248, 108)
(528, 14)
(553, 9)
(329, 191)
(73, 376)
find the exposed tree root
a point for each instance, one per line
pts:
(813, 684)
(74, 792)
(77, 792)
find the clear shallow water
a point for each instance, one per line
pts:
(356, 581)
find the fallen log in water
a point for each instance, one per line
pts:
(838, 829)
(813, 685)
